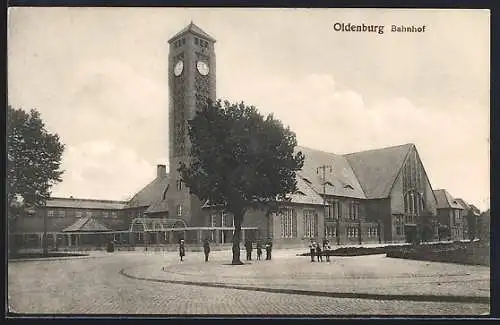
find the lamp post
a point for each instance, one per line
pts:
(323, 169)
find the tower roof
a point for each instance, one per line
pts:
(192, 28)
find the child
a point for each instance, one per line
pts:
(318, 253)
(206, 249)
(326, 249)
(259, 250)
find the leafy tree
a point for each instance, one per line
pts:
(426, 226)
(483, 226)
(33, 162)
(471, 219)
(240, 160)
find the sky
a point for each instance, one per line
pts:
(99, 77)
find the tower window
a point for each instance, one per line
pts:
(179, 210)
(196, 41)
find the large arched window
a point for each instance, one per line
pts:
(414, 202)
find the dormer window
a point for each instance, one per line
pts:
(348, 186)
(329, 184)
(307, 181)
(299, 193)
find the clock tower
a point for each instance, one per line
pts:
(191, 81)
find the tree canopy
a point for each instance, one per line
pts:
(240, 159)
(33, 160)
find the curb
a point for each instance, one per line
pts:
(61, 258)
(420, 298)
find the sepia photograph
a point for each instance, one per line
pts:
(248, 162)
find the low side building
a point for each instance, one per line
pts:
(451, 215)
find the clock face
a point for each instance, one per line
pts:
(179, 66)
(202, 67)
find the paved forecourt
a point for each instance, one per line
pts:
(95, 285)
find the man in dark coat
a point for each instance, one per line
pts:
(206, 249)
(269, 248)
(182, 249)
(248, 247)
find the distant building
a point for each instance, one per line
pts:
(451, 215)
(70, 221)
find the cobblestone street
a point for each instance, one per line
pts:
(94, 285)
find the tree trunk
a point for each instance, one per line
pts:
(238, 217)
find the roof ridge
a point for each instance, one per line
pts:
(85, 199)
(399, 170)
(379, 149)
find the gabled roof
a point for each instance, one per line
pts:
(341, 181)
(35, 224)
(377, 169)
(151, 193)
(59, 202)
(475, 209)
(195, 30)
(445, 200)
(462, 203)
(305, 194)
(86, 224)
(158, 207)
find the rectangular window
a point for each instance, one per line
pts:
(227, 219)
(354, 210)
(213, 220)
(50, 213)
(310, 223)
(62, 213)
(288, 223)
(105, 214)
(179, 210)
(113, 214)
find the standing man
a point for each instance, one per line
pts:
(312, 249)
(269, 247)
(248, 246)
(206, 249)
(182, 249)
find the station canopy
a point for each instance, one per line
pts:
(156, 224)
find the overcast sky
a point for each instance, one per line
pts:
(99, 78)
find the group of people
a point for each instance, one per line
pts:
(248, 246)
(268, 247)
(317, 250)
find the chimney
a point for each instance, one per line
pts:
(161, 171)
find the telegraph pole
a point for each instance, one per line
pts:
(323, 169)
